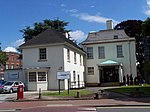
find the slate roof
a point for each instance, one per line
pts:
(49, 36)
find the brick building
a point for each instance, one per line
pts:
(14, 60)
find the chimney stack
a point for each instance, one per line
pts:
(109, 24)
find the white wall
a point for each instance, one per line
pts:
(71, 66)
(111, 54)
(54, 61)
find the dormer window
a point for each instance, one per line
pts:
(115, 36)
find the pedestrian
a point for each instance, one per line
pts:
(124, 80)
(131, 80)
(127, 79)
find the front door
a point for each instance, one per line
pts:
(109, 74)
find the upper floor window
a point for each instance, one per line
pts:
(119, 51)
(7, 66)
(80, 59)
(12, 66)
(89, 52)
(75, 58)
(101, 52)
(12, 57)
(68, 55)
(42, 53)
(115, 36)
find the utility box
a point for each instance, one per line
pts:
(20, 92)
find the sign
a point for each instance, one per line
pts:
(14, 75)
(63, 75)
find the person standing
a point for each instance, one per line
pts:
(124, 80)
(131, 80)
(127, 79)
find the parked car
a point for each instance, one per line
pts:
(11, 86)
(2, 82)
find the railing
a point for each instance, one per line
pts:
(77, 84)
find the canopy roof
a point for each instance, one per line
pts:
(109, 62)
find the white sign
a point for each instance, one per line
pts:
(63, 75)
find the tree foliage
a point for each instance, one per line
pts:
(146, 27)
(3, 58)
(30, 32)
(133, 28)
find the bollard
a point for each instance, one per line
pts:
(96, 96)
(40, 94)
(78, 94)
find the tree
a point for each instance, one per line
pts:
(146, 47)
(133, 28)
(58, 25)
(3, 58)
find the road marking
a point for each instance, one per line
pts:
(59, 105)
(7, 110)
(127, 107)
(84, 109)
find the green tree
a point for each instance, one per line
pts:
(3, 58)
(133, 28)
(30, 32)
(146, 46)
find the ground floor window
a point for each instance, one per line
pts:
(41, 76)
(90, 70)
(37, 76)
(32, 76)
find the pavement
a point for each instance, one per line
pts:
(105, 99)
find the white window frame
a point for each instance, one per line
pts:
(68, 55)
(42, 54)
(89, 52)
(90, 70)
(119, 51)
(35, 79)
(101, 52)
(45, 77)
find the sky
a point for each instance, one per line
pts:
(84, 16)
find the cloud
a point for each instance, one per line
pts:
(62, 5)
(10, 49)
(93, 18)
(12, 46)
(78, 35)
(147, 9)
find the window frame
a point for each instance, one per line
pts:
(101, 52)
(42, 54)
(45, 77)
(35, 77)
(89, 52)
(90, 70)
(119, 51)
(68, 55)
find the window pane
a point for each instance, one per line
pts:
(32, 76)
(42, 52)
(41, 76)
(89, 52)
(90, 70)
(75, 59)
(119, 51)
(74, 76)
(68, 55)
(101, 52)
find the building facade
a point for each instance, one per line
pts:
(110, 56)
(48, 53)
(14, 60)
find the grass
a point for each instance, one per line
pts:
(131, 89)
(72, 93)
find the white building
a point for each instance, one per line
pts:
(110, 56)
(48, 53)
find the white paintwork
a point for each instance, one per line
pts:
(56, 60)
(106, 39)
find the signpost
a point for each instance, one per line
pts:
(62, 76)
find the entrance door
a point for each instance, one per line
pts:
(110, 74)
